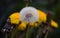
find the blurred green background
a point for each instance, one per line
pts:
(7, 7)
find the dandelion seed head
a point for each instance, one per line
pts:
(29, 14)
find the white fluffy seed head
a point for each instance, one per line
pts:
(29, 14)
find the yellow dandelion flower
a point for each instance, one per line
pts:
(14, 18)
(22, 26)
(54, 24)
(42, 16)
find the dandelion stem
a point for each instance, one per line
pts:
(39, 32)
(6, 36)
(29, 31)
(14, 32)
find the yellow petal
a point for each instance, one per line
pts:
(54, 24)
(42, 16)
(39, 21)
(22, 26)
(15, 18)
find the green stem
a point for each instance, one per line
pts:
(29, 31)
(6, 36)
(46, 35)
(14, 32)
(27, 3)
(39, 32)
